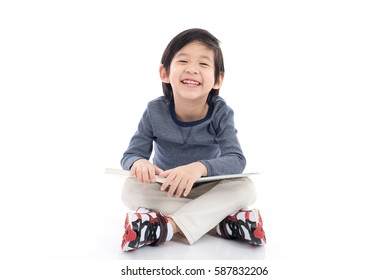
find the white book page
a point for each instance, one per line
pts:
(200, 180)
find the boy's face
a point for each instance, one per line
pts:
(192, 72)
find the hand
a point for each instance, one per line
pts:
(182, 178)
(144, 171)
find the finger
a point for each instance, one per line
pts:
(188, 187)
(166, 173)
(173, 186)
(170, 177)
(151, 174)
(181, 188)
(145, 175)
(166, 183)
(172, 189)
(179, 191)
(158, 170)
(136, 174)
(133, 171)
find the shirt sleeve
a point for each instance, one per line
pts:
(231, 159)
(141, 143)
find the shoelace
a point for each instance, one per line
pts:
(237, 231)
(150, 232)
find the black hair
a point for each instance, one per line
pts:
(183, 39)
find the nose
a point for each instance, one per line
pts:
(191, 70)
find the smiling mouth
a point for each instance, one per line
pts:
(191, 82)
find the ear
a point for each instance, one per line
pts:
(220, 82)
(164, 75)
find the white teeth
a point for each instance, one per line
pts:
(190, 82)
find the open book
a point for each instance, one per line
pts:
(201, 180)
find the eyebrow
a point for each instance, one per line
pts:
(202, 56)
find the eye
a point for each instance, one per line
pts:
(182, 61)
(204, 64)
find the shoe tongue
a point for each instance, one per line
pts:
(162, 229)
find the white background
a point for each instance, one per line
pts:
(308, 81)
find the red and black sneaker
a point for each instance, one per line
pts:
(243, 225)
(145, 227)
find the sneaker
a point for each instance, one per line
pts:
(243, 225)
(145, 227)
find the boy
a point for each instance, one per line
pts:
(192, 130)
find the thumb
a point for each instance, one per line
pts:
(165, 173)
(158, 170)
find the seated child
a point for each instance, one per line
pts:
(191, 129)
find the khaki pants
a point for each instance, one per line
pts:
(206, 205)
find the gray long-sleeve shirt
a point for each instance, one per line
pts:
(212, 140)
